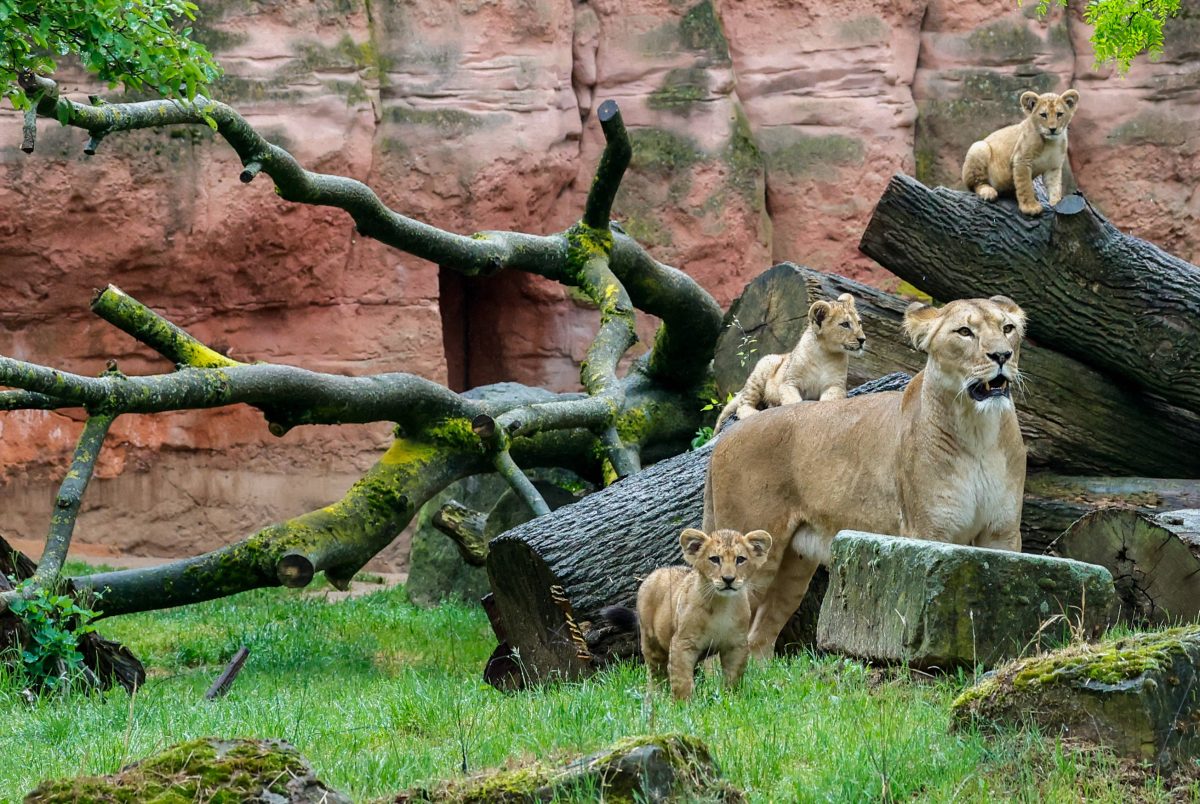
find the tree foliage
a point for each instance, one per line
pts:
(1124, 29)
(142, 44)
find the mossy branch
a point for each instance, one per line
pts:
(131, 316)
(66, 506)
(617, 153)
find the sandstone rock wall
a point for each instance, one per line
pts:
(763, 130)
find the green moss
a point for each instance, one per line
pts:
(815, 156)
(1004, 41)
(449, 121)
(633, 425)
(745, 159)
(585, 244)
(456, 432)
(1151, 128)
(864, 30)
(656, 150)
(700, 29)
(682, 89)
(221, 772)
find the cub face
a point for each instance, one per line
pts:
(974, 344)
(725, 559)
(836, 324)
(1050, 113)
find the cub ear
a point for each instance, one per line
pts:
(691, 540)
(818, 312)
(1070, 97)
(1029, 101)
(1009, 306)
(919, 319)
(846, 298)
(759, 541)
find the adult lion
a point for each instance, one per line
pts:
(941, 460)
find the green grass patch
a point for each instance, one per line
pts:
(381, 696)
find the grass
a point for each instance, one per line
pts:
(380, 696)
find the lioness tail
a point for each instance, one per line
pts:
(622, 617)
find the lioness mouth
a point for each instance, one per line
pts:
(996, 386)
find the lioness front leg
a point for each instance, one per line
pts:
(1004, 539)
(684, 655)
(733, 663)
(1053, 180)
(789, 394)
(1023, 184)
(779, 603)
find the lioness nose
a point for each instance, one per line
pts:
(728, 579)
(1000, 357)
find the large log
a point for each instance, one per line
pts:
(1076, 420)
(1111, 300)
(1154, 560)
(551, 576)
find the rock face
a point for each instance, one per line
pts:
(762, 130)
(940, 605)
(1139, 695)
(205, 769)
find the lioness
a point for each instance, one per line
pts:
(941, 460)
(1015, 155)
(815, 368)
(687, 613)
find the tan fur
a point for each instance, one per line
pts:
(687, 613)
(1011, 158)
(815, 368)
(929, 462)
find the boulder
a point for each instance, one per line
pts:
(1138, 695)
(208, 769)
(936, 605)
(650, 769)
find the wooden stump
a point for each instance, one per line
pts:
(1154, 560)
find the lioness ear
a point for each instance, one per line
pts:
(1029, 101)
(1070, 97)
(846, 298)
(691, 540)
(818, 312)
(1009, 306)
(918, 323)
(759, 541)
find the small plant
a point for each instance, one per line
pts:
(746, 346)
(52, 625)
(702, 437)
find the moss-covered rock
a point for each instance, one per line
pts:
(643, 769)
(941, 605)
(1137, 695)
(209, 770)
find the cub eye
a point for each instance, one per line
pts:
(1008, 328)
(1045, 115)
(965, 332)
(845, 324)
(740, 560)
(715, 559)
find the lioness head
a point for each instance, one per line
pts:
(1050, 113)
(973, 346)
(836, 325)
(726, 558)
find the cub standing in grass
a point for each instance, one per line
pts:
(1010, 159)
(689, 613)
(815, 369)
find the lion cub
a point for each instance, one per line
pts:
(1013, 157)
(815, 369)
(687, 613)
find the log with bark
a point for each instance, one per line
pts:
(1108, 299)
(1154, 560)
(1075, 419)
(551, 576)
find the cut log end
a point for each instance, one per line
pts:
(295, 570)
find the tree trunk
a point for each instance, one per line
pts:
(1154, 560)
(596, 552)
(1076, 420)
(1054, 502)
(1114, 301)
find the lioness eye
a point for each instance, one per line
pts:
(741, 559)
(715, 559)
(845, 324)
(1008, 328)
(965, 332)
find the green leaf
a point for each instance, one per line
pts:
(62, 110)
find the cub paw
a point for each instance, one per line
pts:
(1032, 210)
(986, 191)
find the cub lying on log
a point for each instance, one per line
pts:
(815, 368)
(688, 613)
(941, 460)
(1014, 156)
